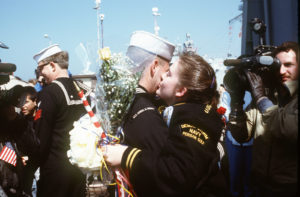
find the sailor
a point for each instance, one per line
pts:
(143, 126)
(187, 164)
(58, 107)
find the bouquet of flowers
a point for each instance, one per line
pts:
(114, 92)
(116, 86)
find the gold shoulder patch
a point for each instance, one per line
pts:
(194, 133)
(207, 108)
(161, 109)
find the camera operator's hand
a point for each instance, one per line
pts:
(235, 86)
(256, 85)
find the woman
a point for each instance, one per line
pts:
(187, 164)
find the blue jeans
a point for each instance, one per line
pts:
(239, 158)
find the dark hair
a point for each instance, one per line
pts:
(31, 92)
(286, 46)
(199, 78)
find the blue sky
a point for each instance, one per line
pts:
(72, 22)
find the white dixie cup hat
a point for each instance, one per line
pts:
(47, 52)
(145, 46)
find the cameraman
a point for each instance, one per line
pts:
(275, 127)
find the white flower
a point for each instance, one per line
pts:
(83, 144)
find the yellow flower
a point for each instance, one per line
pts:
(105, 53)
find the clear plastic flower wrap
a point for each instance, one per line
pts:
(116, 86)
(114, 93)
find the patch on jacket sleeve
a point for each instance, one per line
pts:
(131, 156)
(207, 108)
(194, 133)
(38, 114)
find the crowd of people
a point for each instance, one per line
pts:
(172, 130)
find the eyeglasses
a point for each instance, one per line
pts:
(40, 67)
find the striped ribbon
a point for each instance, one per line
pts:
(104, 138)
(90, 112)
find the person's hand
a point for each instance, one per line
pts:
(113, 154)
(256, 85)
(24, 160)
(234, 82)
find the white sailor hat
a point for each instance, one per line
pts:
(152, 44)
(47, 52)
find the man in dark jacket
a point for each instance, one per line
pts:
(143, 126)
(58, 107)
(275, 128)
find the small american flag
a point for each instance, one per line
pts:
(8, 154)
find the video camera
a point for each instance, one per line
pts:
(11, 88)
(5, 69)
(261, 63)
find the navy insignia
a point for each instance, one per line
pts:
(194, 133)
